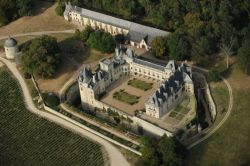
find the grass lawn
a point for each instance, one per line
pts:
(140, 84)
(220, 95)
(126, 97)
(44, 19)
(229, 146)
(173, 114)
(181, 109)
(29, 140)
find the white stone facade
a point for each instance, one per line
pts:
(138, 35)
(175, 81)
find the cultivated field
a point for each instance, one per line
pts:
(29, 140)
(229, 146)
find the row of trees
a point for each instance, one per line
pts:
(98, 39)
(167, 151)
(13, 9)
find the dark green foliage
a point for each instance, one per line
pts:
(41, 57)
(51, 99)
(120, 39)
(60, 9)
(84, 35)
(198, 27)
(179, 48)
(213, 76)
(101, 41)
(13, 9)
(166, 151)
(244, 55)
(159, 46)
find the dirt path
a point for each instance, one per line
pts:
(71, 31)
(115, 156)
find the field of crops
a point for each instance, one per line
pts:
(26, 139)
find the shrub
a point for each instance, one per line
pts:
(213, 76)
(51, 99)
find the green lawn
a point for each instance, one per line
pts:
(126, 97)
(220, 96)
(143, 85)
(29, 140)
(229, 146)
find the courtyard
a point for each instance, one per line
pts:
(121, 85)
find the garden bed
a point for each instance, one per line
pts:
(126, 97)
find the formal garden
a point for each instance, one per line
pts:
(27, 139)
(126, 97)
(140, 84)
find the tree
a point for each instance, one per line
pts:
(213, 76)
(60, 9)
(166, 151)
(84, 35)
(41, 57)
(159, 46)
(227, 49)
(101, 41)
(244, 56)
(179, 47)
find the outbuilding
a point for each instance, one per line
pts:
(11, 48)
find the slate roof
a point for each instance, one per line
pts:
(137, 32)
(10, 42)
(149, 64)
(169, 87)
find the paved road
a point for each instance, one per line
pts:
(38, 33)
(115, 156)
(229, 110)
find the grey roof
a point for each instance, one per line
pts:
(106, 61)
(149, 64)
(85, 75)
(169, 87)
(10, 42)
(137, 32)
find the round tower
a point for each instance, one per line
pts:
(11, 48)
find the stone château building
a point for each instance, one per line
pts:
(138, 35)
(175, 81)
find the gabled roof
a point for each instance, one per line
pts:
(137, 32)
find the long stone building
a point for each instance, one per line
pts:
(138, 35)
(175, 81)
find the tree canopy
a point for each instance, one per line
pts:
(244, 55)
(41, 57)
(13, 9)
(159, 46)
(198, 28)
(101, 41)
(166, 151)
